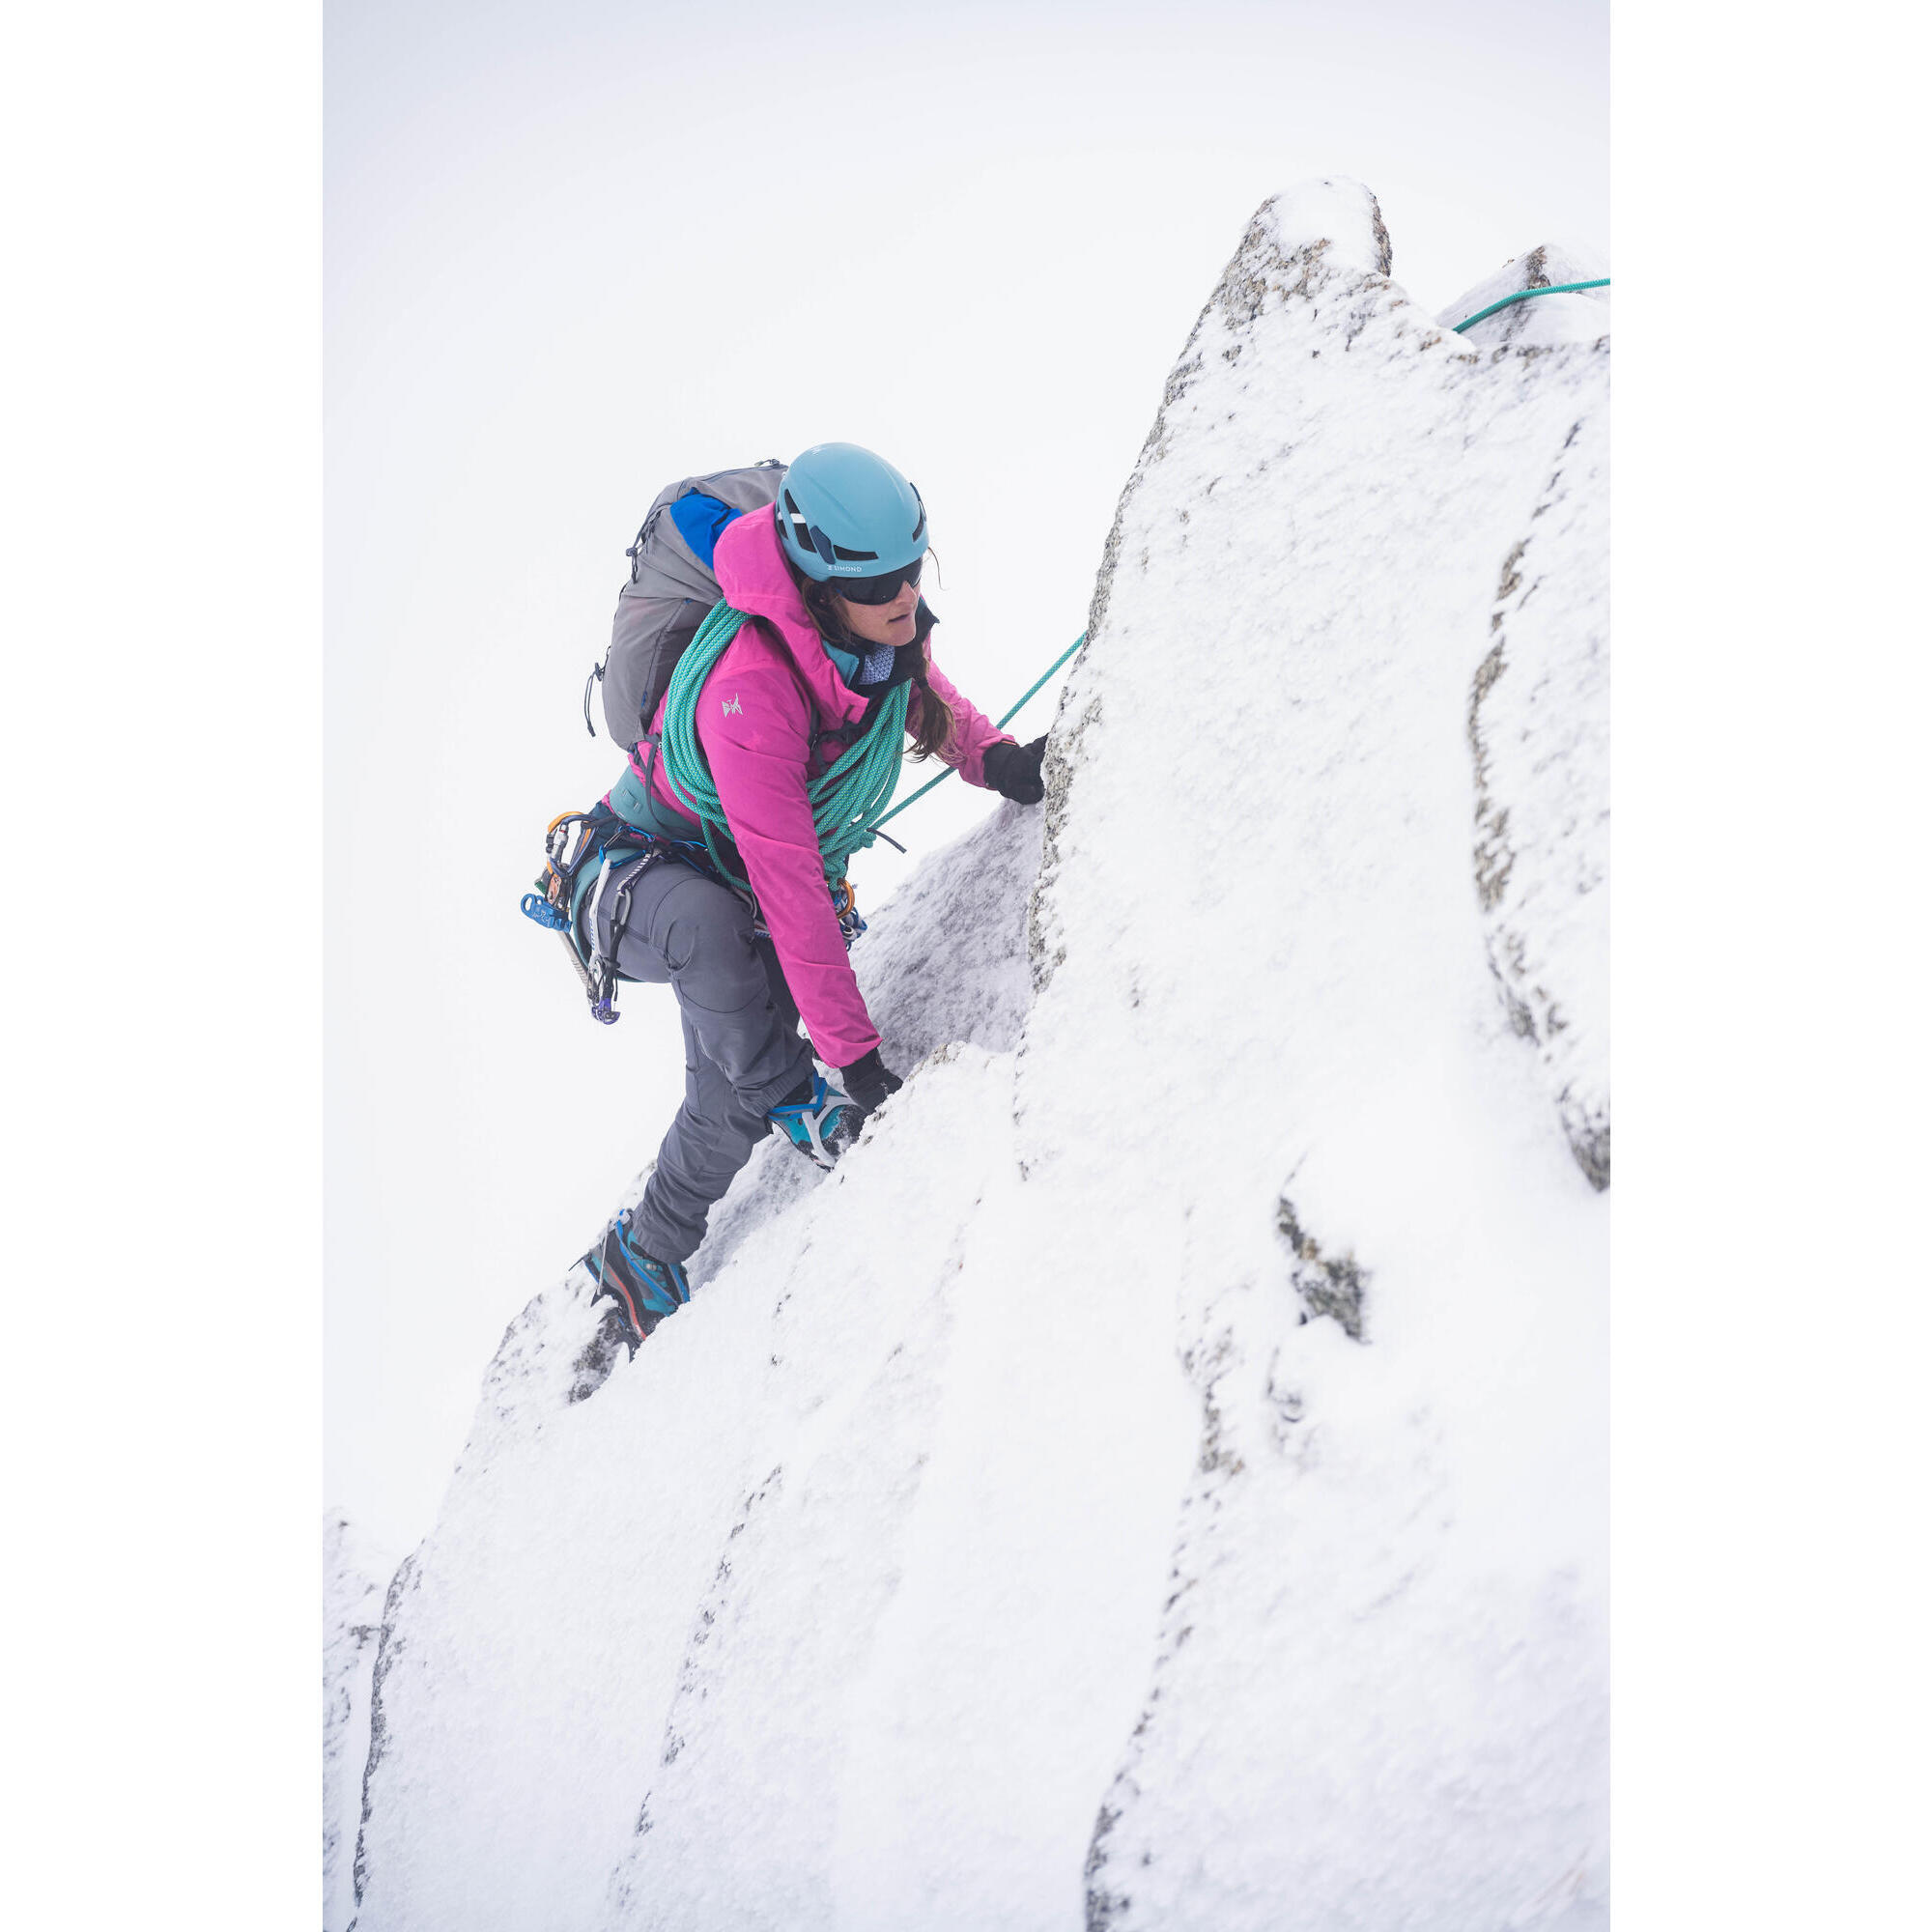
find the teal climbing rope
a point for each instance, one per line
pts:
(1524, 295)
(843, 796)
(1521, 295)
(1012, 710)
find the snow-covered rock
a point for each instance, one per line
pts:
(1377, 1694)
(1577, 315)
(352, 1612)
(1159, 1480)
(1538, 728)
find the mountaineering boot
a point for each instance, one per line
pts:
(645, 1289)
(816, 1118)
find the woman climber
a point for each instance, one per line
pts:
(831, 655)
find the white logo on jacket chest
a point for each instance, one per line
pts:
(731, 704)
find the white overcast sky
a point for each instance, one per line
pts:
(574, 251)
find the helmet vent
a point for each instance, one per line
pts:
(801, 530)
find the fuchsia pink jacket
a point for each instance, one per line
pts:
(774, 688)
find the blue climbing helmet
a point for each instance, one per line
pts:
(843, 512)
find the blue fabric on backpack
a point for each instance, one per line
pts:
(700, 521)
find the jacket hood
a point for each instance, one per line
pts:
(752, 573)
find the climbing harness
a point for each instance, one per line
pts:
(575, 842)
(1524, 295)
(599, 855)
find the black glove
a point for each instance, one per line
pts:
(868, 1081)
(1013, 770)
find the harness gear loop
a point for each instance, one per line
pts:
(619, 851)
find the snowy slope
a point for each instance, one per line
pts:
(1158, 1479)
(1379, 1683)
(352, 1608)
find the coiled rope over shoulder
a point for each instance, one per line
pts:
(843, 798)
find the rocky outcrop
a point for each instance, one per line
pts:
(1340, 481)
(1540, 731)
(1579, 316)
(352, 1630)
(1158, 1477)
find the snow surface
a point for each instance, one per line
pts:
(1578, 315)
(1159, 1478)
(352, 1608)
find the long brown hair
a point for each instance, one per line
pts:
(929, 717)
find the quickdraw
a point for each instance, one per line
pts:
(556, 882)
(845, 903)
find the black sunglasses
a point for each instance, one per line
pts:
(878, 590)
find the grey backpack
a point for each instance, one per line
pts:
(671, 592)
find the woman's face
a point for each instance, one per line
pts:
(890, 623)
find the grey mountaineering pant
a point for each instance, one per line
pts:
(741, 1048)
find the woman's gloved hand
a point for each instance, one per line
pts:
(1013, 770)
(868, 1081)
